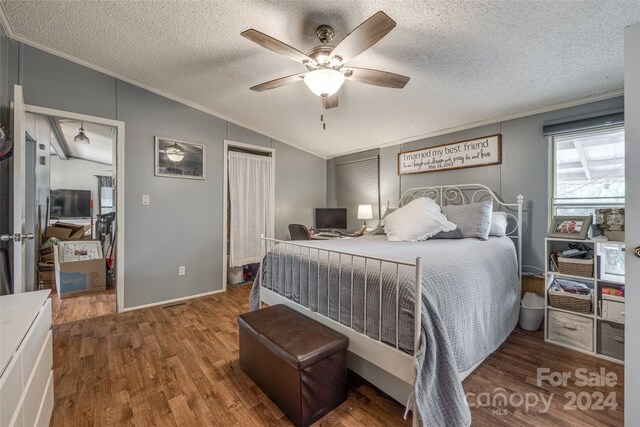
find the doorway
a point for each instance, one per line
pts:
(249, 208)
(72, 179)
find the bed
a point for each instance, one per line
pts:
(367, 288)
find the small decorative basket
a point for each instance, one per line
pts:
(575, 267)
(572, 302)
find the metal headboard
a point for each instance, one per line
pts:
(464, 194)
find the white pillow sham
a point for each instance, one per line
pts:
(498, 224)
(416, 221)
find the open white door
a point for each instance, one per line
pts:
(632, 223)
(18, 235)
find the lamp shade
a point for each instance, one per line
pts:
(81, 137)
(365, 212)
(324, 82)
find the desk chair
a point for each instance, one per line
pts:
(299, 232)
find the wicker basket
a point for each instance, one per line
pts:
(572, 302)
(575, 267)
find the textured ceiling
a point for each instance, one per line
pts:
(469, 61)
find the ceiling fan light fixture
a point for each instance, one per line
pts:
(324, 82)
(81, 137)
(174, 152)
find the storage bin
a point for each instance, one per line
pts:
(575, 266)
(531, 312)
(571, 330)
(572, 302)
(613, 311)
(611, 340)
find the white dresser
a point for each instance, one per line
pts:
(26, 360)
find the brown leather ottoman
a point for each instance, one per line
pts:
(299, 363)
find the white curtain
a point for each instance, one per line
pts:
(251, 215)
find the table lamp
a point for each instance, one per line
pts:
(365, 212)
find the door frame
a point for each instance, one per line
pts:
(118, 154)
(225, 193)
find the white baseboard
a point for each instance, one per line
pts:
(169, 301)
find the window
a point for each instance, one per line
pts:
(588, 170)
(358, 183)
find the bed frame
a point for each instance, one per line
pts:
(384, 365)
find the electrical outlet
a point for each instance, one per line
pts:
(182, 270)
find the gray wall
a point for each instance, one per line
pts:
(183, 223)
(524, 168)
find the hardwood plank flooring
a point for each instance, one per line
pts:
(179, 367)
(65, 310)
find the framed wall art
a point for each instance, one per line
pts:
(179, 159)
(470, 153)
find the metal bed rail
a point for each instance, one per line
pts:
(299, 250)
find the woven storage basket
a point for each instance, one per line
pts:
(571, 302)
(575, 267)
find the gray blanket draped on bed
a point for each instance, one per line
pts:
(470, 300)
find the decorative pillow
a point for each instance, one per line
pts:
(498, 224)
(473, 220)
(379, 228)
(416, 221)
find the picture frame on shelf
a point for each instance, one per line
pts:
(570, 227)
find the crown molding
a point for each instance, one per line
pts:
(491, 121)
(6, 24)
(4, 20)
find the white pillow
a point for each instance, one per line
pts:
(416, 221)
(498, 224)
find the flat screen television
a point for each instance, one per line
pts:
(70, 204)
(331, 218)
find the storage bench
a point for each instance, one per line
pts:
(300, 364)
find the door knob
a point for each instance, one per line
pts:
(17, 237)
(636, 251)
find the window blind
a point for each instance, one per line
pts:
(358, 184)
(614, 119)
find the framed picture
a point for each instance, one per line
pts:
(179, 159)
(570, 227)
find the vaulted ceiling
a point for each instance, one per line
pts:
(469, 61)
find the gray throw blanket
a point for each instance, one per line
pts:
(470, 304)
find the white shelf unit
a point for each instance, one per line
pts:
(595, 282)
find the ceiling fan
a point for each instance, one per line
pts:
(326, 64)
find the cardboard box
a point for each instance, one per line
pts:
(46, 254)
(79, 268)
(66, 231)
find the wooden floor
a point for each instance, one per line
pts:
(83, 307)
(179, 367)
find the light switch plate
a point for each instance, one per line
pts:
(182, 270)
(145, 199)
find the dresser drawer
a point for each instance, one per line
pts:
(18, 418)
(46, 409)
(37, 384)
(11, 387)
(35, 339)
(570, 329)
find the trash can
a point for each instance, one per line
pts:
(235, 275)
(531, 312)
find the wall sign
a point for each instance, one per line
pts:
(471, 153)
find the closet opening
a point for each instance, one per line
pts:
(249, 209)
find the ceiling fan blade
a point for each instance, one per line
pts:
(276, 83)
(364, 36)
(276, 46)
(330, 101)
(376, 77)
